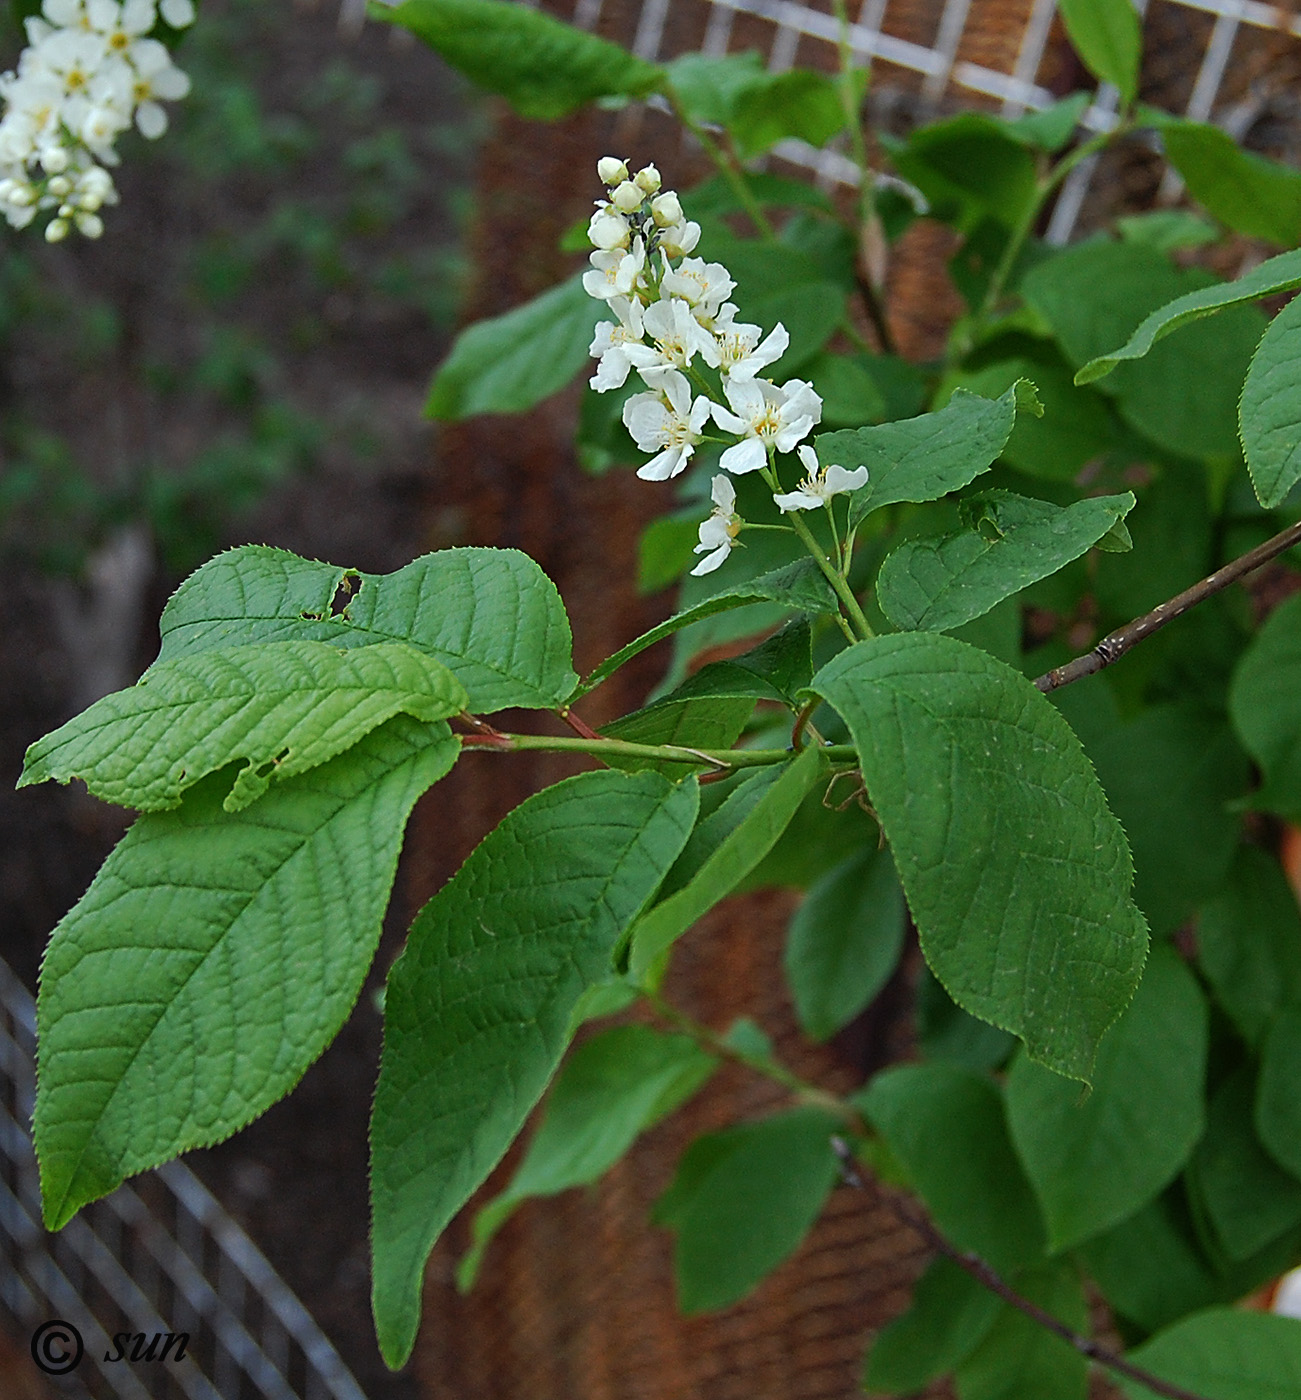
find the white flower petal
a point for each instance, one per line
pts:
(745, 456)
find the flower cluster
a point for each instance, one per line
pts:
(674, 317)
(89, 72)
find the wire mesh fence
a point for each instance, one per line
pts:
(170, 1298)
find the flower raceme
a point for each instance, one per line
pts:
(673, 320)
(89, 72)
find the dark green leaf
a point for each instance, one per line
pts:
(512, 362)
(1224, 1354)
(546, 69)
(1265, 706)
(742, 1201)
(1016, 872)
(707, 87)
(1269, 413)
(970, 167)
(844, 942)
(479, 1006)
(798, 103)
(850, 395)
(946, 1032)
(706, 722)
(1051, 128)
(777, 669)
(1278, 1105)
(1167, 230)
(1108, 37)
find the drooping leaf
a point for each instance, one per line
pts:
(742, 1201)
(950, 1316)
(491, 616)
(610, 1089)
(844, 942)
(510, 363)
(1224, 1354)
(924, 458)
(1265, 707)
(738, 854)
(1272, 277)
(1269, 412)
(938, 583)
(213, 958)
(478, 1008)
(281, 707)
(946, 1127)
(1108, 37)
(1096, 1160)
(1017, 874)
(543, 67)
(1278, 1106)
(796, 587)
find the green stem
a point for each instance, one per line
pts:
(730, 170)
(661, 753)
(835, 578)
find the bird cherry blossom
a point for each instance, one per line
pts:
(820, 484)
(667, 422)
(719, 530)
(764, 415)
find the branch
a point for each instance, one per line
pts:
(720, 759)
(1113, 646)
(909, 1214)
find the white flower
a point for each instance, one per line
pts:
(611, 344)
(665, 421)
(156, 76)
(677, 335)
(626, 197)
(121, 25)
(648, 179)
(680, 239)
(608, 229)
(178, 13)
(611, 170)
(820, 484)
(666, 209)
(615, 274)
(766, 415)
(703, 286)
(718, 533)
(741, 354)
(64, 14)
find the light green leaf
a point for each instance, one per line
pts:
(798, 103)
(1051, 128)
(1224, 1354)
(939, 583)
(512, 362)
(491, 616)
(950, 1316)
(1019, 1357)
(1095, 1160)
(796, 587)
(1017, 874)
(742, 1201)
(1167, 230)
(546, 69)
(1278, 1105)
(707, 87)
(1270, 278)
(613, 1087)
(281, 707)
(1265, 707)
(1108, 38)
(1269, 412)
(844, 942)
(213, 959)
(1247, 942)
(479, 1005)
(1246, 191)
(743, 848)
(946, 1128)
(924, 458)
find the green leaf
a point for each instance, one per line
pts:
(1050, 129)
(1265, 707)
(950, 1316)
(491, 616)
(1246, 191)
(798, 103)
(510, 363)
(946, 1032)
(1247, 942)
(1269, 412)
(1167, 230)
(796, 587)
(1019, 1357)
(545, 69)
(716, 196)
(1278, 1106)
(744, 847)
(1250, 1200)
(707, 87)
(1095, 1160)
(850, 395)
(1108, 37)
(283, 707)
(946, 1127)
(707, 722)
(743, 1200)
(924, 458)
(939, 583)
(844, 942)
(723, 807)
(1270, 278)
(213, 959)
(1016, 872)
(1224, 1354)
(777, 669)
(612, 1088)
(478, 1008)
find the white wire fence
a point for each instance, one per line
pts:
(157, 1259)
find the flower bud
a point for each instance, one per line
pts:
(611, 170)
(54, 160)
(89, 225)
(60, 186)
(648, 179)
(626, 197)
(666, 210)
(56, 230)
(680, 240)
(608, 230)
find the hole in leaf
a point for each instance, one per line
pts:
(349, 587)
(310, 617)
